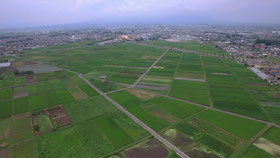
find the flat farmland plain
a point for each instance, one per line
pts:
(191, 98)
(121, 63)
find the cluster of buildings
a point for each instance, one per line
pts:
(255, 46)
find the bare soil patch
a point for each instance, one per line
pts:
(277, 95)
(37, 57)
(147, 57)
(222, 74)
(30, 79)
(77, 93)
(268, 146)
(129, 67)
(200, 154)
(39, 68)
(20, 64)
(163, 116)
(59, 116)
(6, 135)
(160, 88)
(20, 94)
(257, 85)
(150, 149)
(4, 153)
(20, 116)
(189, 79)
(141, 94)
(177, 138)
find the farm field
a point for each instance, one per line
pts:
(190, 99)
(114, 62)
(217, 133)
(153, 110)
(191, 46)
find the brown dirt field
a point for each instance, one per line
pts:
(162, 116)
(141, 94)
(200, 154)
(277, 95)
(30, 79)
(129, 67)
(258, 85)
(151, 149)
(20, 94)
(149, 57)
(78, 95)
(20, 116)
(59, 116)
(37, 57)
(4, 153)
(177, 138)
(20, 64)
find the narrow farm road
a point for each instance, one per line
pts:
(215, 109)
(147, 128)
(144, 74)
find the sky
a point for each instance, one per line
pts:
(21, 13)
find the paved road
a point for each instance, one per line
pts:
(152, 132)
(212, 108)
(144, 74)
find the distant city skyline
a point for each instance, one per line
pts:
(26, 13)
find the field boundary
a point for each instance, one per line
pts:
(144, 74)
(208, 87)
(215, 109)
(147, 128)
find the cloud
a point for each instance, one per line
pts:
(44, 12)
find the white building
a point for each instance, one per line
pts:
(3, 65)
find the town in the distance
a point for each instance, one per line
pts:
(257, 47)
(140, 91)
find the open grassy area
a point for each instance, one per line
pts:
(26, 149)
(88, 90)
(6, 108)
(241, 127)
(89, 108)
(254, 152)
(129, 126)
(117, 62)
(99, 129)
(50, 98)
(192, 91)
(173, 107)
(113, 132)
(63, 46)
(84, 140)
(20, 130)
(192, 46)
(6, 94)
(20, 105)
(104, 86)
(273, 135)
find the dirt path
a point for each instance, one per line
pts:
(147, 128)
(259, 134)
(219, 110)
(208, 87)
(144, 74)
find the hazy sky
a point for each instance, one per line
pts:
(52, 12)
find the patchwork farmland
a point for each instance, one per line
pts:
(156, 99)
